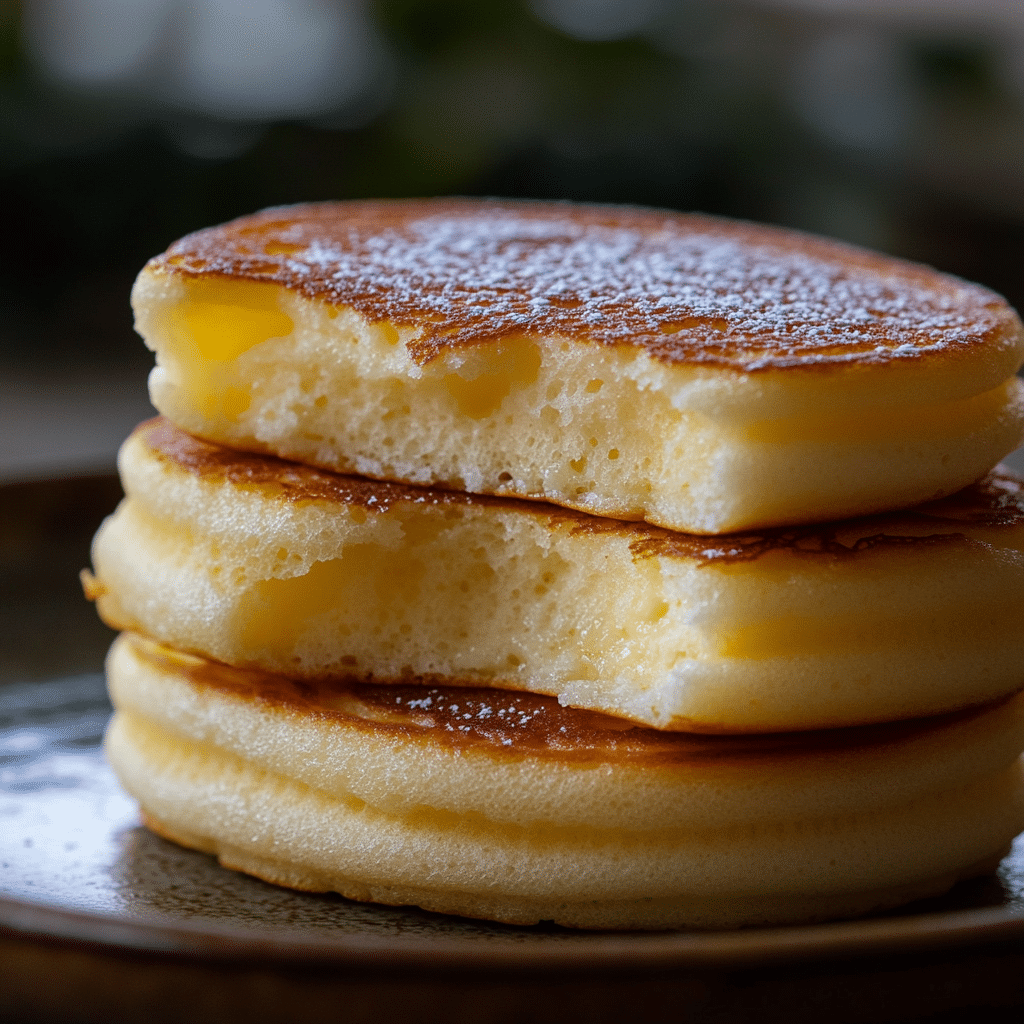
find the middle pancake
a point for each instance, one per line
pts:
(267, 564)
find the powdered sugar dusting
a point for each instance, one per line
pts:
(686, 288)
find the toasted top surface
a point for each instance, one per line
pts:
(995, 502)
(508, 723)
(686, 288)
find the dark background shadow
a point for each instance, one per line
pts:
(127, 123)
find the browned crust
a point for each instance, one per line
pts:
(995, 502)
(685, 288)
(91, 587)
(510, 724)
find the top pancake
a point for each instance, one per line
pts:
(746, 364)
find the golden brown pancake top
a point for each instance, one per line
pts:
(996, 501)
(686, 288)
(510, 723)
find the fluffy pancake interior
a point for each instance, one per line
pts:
(349, 787)
(610, 429)
(258, 562)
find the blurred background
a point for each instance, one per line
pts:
(127, 123)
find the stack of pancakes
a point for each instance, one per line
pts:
(675, 588)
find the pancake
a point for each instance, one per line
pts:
(510, 807)
(262, 563)
(699, 374)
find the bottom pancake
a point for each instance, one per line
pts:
(509, 807)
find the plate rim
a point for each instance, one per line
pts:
(598, 951)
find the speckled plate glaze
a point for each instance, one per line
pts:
(76, 865)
